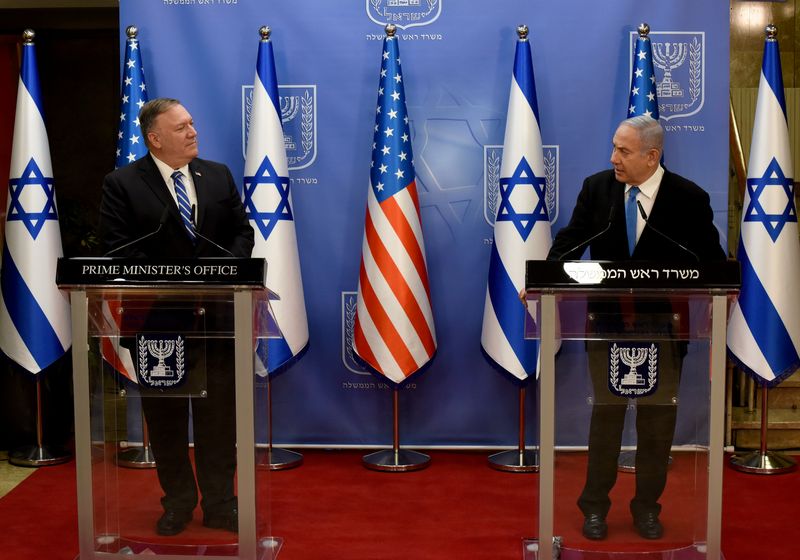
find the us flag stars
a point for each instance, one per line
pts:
(391, 166)
(130, 145)
(643, 100)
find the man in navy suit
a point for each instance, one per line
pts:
(193, 200)
(681, 211)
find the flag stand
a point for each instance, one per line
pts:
(518, 460)
(763, 461)
(276, 458)
(138, 457)
(396, 459)
(38, 455)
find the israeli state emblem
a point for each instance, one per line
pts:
(299, 120)
(679, 64)
(349, 358)
(404, 13)
(492, 158)
(632, 369)
(161, 360)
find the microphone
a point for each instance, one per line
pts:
(201, 236)
(161, 222)
(665, 236)
(583, 244)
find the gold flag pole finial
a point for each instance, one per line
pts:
(27, 36)
(391, 30)
(522, 32)
(644, 30)
(131, 31)
(772, 32)
(265, 32)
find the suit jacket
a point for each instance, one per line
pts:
(134, 198)
(682, 211)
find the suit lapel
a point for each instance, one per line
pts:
(201, 191)
(153, 179)
(663, 208)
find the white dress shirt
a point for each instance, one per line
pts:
(647, 197)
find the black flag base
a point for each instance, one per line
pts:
(396, 460)
(38, 456)
(758, 462)
(515, 460)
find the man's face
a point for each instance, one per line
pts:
(173, 138)
(632, 165)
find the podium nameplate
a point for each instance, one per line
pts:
(115, 272)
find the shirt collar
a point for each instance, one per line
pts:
(649, 187)
(167, 171)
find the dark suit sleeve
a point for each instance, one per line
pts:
(582, 225)
(117, 226)
(705, 237)
(243, 240)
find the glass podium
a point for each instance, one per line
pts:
(633, 362)
(190, 328)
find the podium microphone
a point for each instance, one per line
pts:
(201, 236)
(161, 222)
(664, 235)
(583, 244)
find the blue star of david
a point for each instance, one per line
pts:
(32, 177)
(266, 175)
(773, 223)
(524, 222)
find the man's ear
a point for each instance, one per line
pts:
(152, 139)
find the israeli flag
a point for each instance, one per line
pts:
(268, 203)
(764, 330)
(34, 314)
(521, 228)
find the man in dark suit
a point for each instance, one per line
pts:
(609, 202)
(194, 200)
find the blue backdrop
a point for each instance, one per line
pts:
(457, 57)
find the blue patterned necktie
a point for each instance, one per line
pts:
(183, 205)
(631, 218)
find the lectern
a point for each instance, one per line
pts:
(170, 314)
(613, 337)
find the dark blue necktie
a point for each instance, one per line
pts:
(183, 205)
(631, 217)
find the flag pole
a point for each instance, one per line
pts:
(276, 458)
(763, 461)
(518, 460)
(38, 455)
(138, 457)
(396, 459)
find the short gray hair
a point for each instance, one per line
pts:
(151, 110)
(650, 131)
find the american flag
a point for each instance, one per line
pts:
(130, 144)
(394, 331)
(643, 99)
(130, 147)
(764, 328)
(35, 326)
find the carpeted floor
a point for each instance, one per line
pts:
(331, 508)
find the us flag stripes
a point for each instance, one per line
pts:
(394, 330)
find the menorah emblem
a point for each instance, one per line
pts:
(633, 358)
(161, 349)
(668, 57)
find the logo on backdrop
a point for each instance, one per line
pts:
(493, 156)
(348, 323)
(404, 13)
(679, 58)
(632, 369)
(161, 359)
(299, 118)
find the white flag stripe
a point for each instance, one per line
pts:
(259, 144)
(393, 308)
(12, 340)
(741, 341)
(521, 132)
(386, 363)
(496, 345)
(771, 137)
(396, 249)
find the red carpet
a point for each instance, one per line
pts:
(333, 508)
